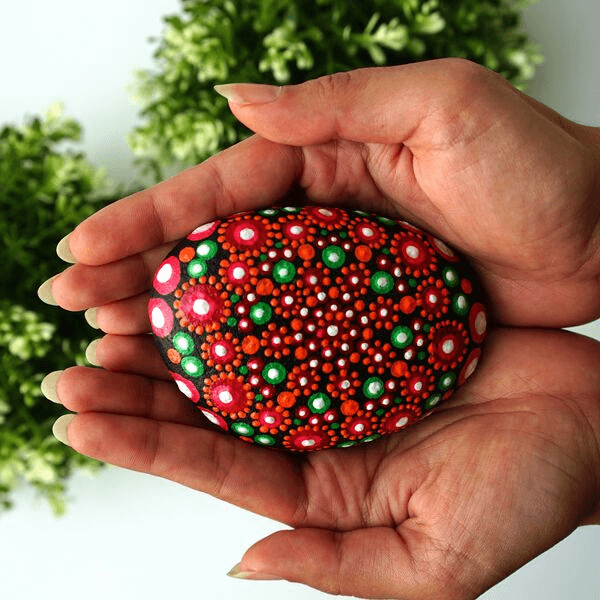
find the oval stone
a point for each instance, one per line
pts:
(316, 327)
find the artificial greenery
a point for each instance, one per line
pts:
(45, 191)
(288, 41)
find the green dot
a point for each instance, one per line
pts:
(206, 249)
(380, 412)
(234, 297)
(319, 403)
(334, 257)
(292, 209)
(261, 313)
(268, 212)
(243, 370)
(263, 257)
(279, 245)
(274, 373)
(370, 438)
(297, 422)
(432, 401)
(284, 271)
(386, 250)
(373, 387)
(347, 444)
(183, 343)
(197, 268)
(446, 381)
(323, 231)
(385, 220)
(258, 397)
(343, 234)
(193, 366)
(450, 277)
(264, 440)
(382, 282)
(422, 355)
(412, 282)
(460, 303)
(426, 328)
(232, 322)
(335, 426)
(243, 429)
(402, 336)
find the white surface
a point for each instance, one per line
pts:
(128, 535)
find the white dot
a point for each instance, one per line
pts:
(270, 419)
(165, 273)
(461, 302)
(308, 443)
(334, 257)
(345, 384)
(321, 296)
(201, 307)
(432, 298)
(238, 273)
(184, 388)
(471, 368)
(345, 347)
(412, 252)
(296, 229)
(288, 253)
(401, 422)
(304, 311)
(378, 357)
(359, 427)
(480, 323)
(250, 297)
(303, 380)
(225, 397)
(448, 347)
(314, 363)
(332, 330)
(374, 387)
(273, 373)
(259, 313)
(325, 212)
(211, 417)
(203, 228)
(220, 350)
(418, 386)
(203, 249)
(247, 233)
(318, 403)
(158, 319)
(368, 232)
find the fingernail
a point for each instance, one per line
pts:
(60, 428)
(63, 250)
(249, 93)
(91, 353)
(237, 573)
(91, 316)
(45, 292)
(49, 384)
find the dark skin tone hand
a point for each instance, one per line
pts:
(496, 475)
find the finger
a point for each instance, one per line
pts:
(414, 104)
(374, 562)
(249, 175)
(263, 481)
(135, 354)
(86, 389)
(82, 286)
(125, 317)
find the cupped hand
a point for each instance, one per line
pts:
(443, 510)
(445, 144)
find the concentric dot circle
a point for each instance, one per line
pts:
(307, 328)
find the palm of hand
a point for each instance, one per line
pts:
(487, 482)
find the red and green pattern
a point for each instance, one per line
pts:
(316, 327)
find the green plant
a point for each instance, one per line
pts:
(45, 190)
(287, 41)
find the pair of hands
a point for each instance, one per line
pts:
(509, 466)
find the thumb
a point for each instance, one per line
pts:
(368, 563)
(401, 104)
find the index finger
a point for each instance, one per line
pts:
(249, 175)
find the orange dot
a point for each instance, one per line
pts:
(306, 252)
(363, 253)
(349, 407)
(296, 324)
(264, 287)
(174, 356)
(333, 292)
(408, 304)
(367, 333)
(286, 399)
(300, 353)
(186, 254)
(399, 368)
(354, 357)
(250, 344)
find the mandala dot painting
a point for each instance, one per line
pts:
(315, 327)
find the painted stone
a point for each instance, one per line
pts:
(316, 327)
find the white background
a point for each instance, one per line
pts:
(128, 535)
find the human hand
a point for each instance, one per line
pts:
(442, 510)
